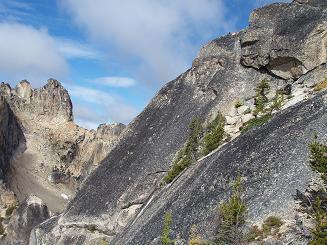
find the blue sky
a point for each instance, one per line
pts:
(111, 55)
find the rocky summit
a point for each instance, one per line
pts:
(233, 151)
(44, 155)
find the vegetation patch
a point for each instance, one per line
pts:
(261, 106)
(165, 238)
(188, 154)
(318, 159)
(314, 202)
(103, 242)
(91, 228)
(232, 215)
(2, 229)
(214, 135)
(195, 238)
(255, 122)
(319, 233)
(260, 97)
(320, 86)
(10, 210)
(200, 142)
(269, 227)
(278, 100)
(238, 104)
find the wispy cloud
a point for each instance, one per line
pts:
(122, 82)
(72, 49)
(162, 36)
(15, 10)
(90, 95)
(93, 106)
(27, 52)
(88, 118)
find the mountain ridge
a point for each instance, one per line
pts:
(131, 174)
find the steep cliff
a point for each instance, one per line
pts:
(124, 200)
(12, 140)
(59, 153)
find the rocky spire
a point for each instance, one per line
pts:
(50, 103)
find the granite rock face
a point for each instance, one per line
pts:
(287, 39)
(47, 113)
(123, 200)
(43, 152)
(12, 140)
(273, 161)
(31, 213)
(49, 103)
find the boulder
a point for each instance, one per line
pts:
(29, 214)
(287, 39)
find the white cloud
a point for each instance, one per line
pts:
(90, 95)
(122, 82)
(86, 117)
(93, 106)
(27, 52)
(158, 34)
(72, 49)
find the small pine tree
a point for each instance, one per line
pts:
(192, 146)
(232, 215)
(188, 154)
(214, 135)
(318, 155)
(165, 238)
(260, 97)
(320, 230)
(318, 161)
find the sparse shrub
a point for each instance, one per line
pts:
(272, 222)
(215, 134)
(232, 217)
(260, 96)
(10, 210)
(197, 241)
(238, 104)
(103, 242)
(320, 231)
(188, 154)
(2, 229)
(247, 111)
(165, 238)
(318, 158)
(278, 100)
(255, 122)
(318, 161)
(320, 86)
(255, 233)
(195, 238)
(91, 228)
(194, 138)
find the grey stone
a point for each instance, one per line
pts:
(231, 120)
(275, 41)
(30, 213)
(247, 117)
(242, 109)
(24, 90)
